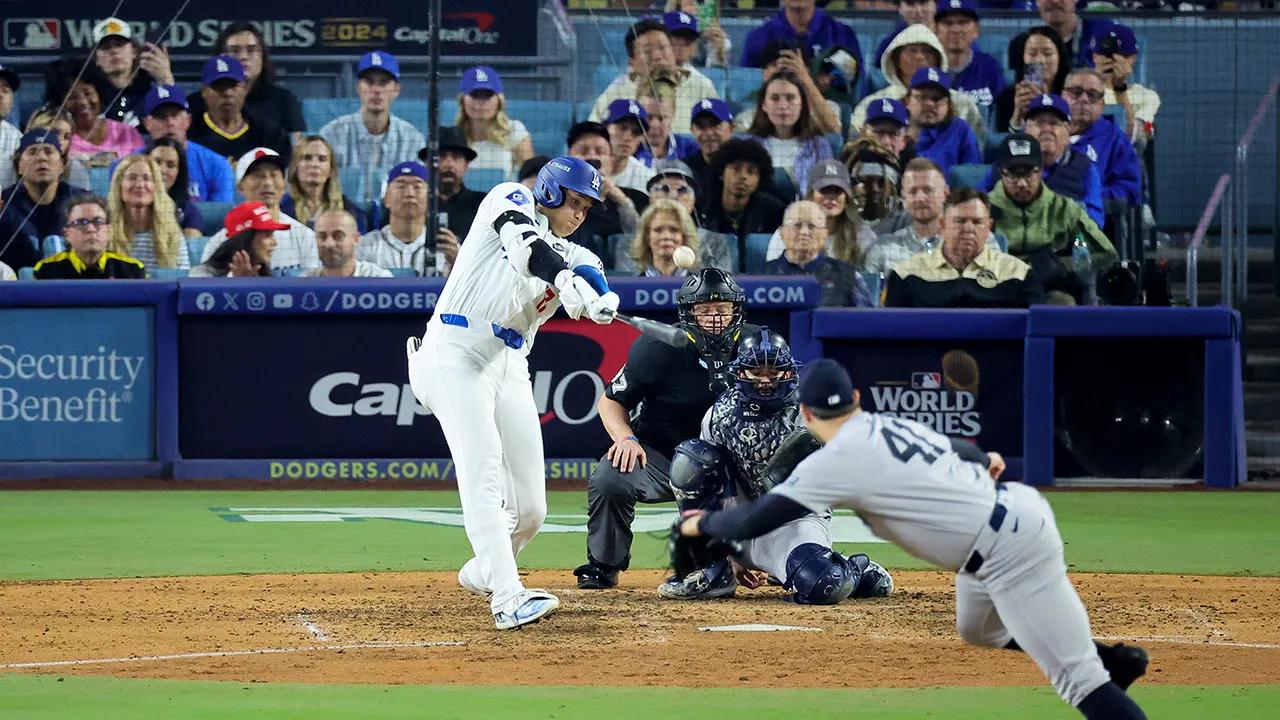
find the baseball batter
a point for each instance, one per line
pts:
(751, 439)
(470, 368)
(936, 500)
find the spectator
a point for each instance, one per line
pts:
(6, 273)
(782, 58)
(712, 123)
(690, 46)
(458, 201)
(886, 125)
(966, 272)
(166, 114)
(740, 203)
(528, 174)
(260, 179)
(1043, 227)
(627, 123)
(87, 233)
(940, 135)
(1115, 51)
(95, 138)
(803, 24)
(1099, 138)
(371, 139)
(618, 212)
(924, 192)
(265, 100)
(874, 172)
(225, 128)
(402, 243)
(674, 181)
(656, 94)
(75, 171)
(665, 226)
(249, 247)
(1039, 69)
(803, 232)
(847, 235)
(10, 136)
(1075, 31)
(128, 67)
(169, 155)
(500, 142)
(313, 185)
(972, 71)
(34, 207)
(649, 51)
(910, 12)
(144, 221)
(914, 48)
(785, 125)
(336, 238)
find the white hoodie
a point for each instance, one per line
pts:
(915, 34)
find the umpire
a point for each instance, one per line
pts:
(655, 402)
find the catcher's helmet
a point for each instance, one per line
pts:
(757, 352)
(715, 345)
(819, 575)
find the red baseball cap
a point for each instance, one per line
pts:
(251, 216)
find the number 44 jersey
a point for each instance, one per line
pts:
(905, 482)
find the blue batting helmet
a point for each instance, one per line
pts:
(565, 173)
(819, 575)
(766, 349)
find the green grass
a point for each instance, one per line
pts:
(83, 534)
(41, 697)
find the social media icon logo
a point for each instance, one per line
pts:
(204, 301)
(255, 301)
(280, 301)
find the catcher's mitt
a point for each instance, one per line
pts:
(796, 447)
(694, 553)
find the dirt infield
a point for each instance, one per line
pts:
(422, 628)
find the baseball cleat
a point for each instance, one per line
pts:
(528, 607)
(595, 577)
(716, 581)
(467, 579)
(1126, 663)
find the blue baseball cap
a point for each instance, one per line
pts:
(160, 95)
(408, 168)
(825, 384)
(713, 106)
(379, 60)
(40, 136)
(957, 7)
(927, 76)
(480, 77)
(1126, 43)
(888, 109)
(222, 67)
(624, 109)
(681, 22)
(1049, 103)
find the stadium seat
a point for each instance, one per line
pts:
(873, 282)
(783, 186)
(757, 247)
(353, 186)
(1002, 241)
(52, 245)
(742, 83)
(967, 175)
(483, 179)
(548, 122)
(26, 273)
(992, 145)
(100, 180)
(167, 273)
(317, 112)
(195, 249)
(603, 75)
(214, 214)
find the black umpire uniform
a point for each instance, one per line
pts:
(666, 391)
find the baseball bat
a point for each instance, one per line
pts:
(669, 334)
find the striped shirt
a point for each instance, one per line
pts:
(10, 138)
(295, 247)
(143, 249)
(384, 249)
(373, 155)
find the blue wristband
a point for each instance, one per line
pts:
(632, 437)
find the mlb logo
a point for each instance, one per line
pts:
(32, 34)
(926, 380)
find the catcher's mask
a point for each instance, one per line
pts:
(765, 371)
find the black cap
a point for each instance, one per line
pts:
(531, 167)
(825, 384)
(1019, 150)
(451, 138)
(586, 127)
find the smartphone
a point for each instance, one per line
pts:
(1034, 74)
(441, 264)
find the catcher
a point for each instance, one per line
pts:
(751, 440)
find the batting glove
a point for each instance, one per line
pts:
(601, 310)
(576, 294)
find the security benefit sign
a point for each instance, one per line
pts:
(966, 390)
(337, 387)
(76, 384)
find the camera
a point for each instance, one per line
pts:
(1108, 46)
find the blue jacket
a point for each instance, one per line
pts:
(982, 80)
(1076, 178)
(951, 143)
(1117, 162)
(208, 174)
(824, 32)
(679, 147)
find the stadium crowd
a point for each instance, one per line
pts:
(938, 176)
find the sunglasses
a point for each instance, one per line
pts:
(666, 189)
(1079, 92)
(86, 223)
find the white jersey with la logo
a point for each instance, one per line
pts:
(484, 287)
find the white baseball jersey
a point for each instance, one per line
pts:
(485, 287)
(295, 247)
(904, 481)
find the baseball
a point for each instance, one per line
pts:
(684, 257)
